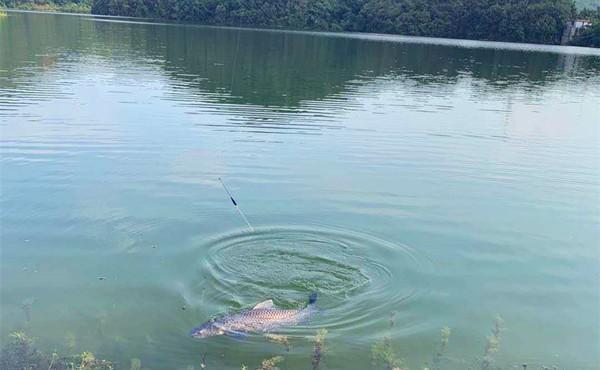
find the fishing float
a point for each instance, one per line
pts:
(236, 205)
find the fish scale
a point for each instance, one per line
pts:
(263, 317)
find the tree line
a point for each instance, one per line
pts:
(534, 21)
(71, 6)
(591, 36)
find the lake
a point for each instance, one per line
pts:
(432, 183)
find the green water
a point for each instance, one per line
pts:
(448, 181)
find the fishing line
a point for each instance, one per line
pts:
(236, 205)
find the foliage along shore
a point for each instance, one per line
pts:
(66, 6)
(530, 21)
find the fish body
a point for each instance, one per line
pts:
(263, 317)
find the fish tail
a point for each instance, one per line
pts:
(312, 298)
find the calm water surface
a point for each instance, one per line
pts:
(446, 181)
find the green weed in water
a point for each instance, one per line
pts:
(70, 342)
(136, 364)
(279, 339)
(383, 355)
(52, 360)
(19, 353)
(271, 363)
(493, 342)
(439, 354)
(319, 348)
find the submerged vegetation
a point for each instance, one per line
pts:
(279, 339)
(493, 341)
(319, 348)
(19, 353)
(436, 362)
(271, 363)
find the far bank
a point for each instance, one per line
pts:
(551, 22)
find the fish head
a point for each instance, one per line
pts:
(208, 329)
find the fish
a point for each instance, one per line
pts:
(264, 317)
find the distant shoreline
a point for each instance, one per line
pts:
(51, 8)
(369, 36)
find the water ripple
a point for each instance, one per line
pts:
(351, 271)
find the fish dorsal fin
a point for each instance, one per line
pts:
(266, 304)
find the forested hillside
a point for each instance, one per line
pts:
(73, 6)
(535, 21)
(538, 21)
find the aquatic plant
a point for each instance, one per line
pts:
(54, 358)
(203, 362)
(84, 361)
(439, 354)
(382, 352)
(19, 353)
(319, 348)
(136, 364)
(26, 306)
(271, 363)
(382, 355)
(493, 342)
(70, 342)
(279, 339)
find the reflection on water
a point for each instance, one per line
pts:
(446, 181)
